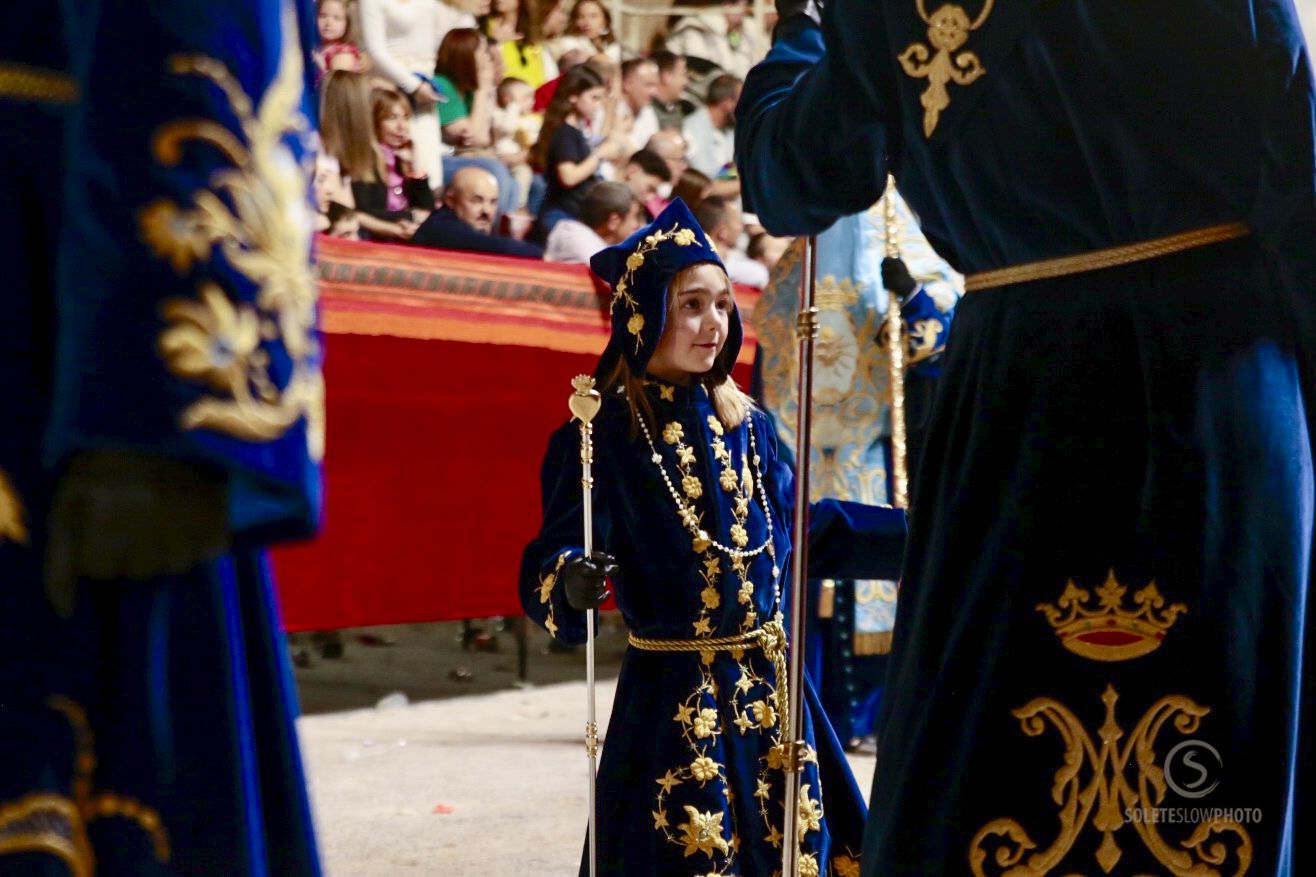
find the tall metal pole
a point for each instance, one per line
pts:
(806, 330)
(896, 351)
(584, 403)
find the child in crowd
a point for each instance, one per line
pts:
(590, 29)
(405, 188)
(516, 128)
(692, 520)
(338, 50)
(570, 164)
(347, 129)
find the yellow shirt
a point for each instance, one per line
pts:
(529, 62)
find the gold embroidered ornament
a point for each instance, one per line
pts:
(1111, 632)
(13, 517)
(255, 214)
(1107, 796)
(948, 30)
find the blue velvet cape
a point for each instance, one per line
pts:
(688, 783)
(1105, 616)
(151, 733)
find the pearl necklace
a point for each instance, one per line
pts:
(686, 516)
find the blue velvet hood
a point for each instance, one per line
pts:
(639, 271)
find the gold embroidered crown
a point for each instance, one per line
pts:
(1111, 632)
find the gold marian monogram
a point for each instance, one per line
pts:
(948, 31)
(1107, 796)
(55, 825)
(256, 213)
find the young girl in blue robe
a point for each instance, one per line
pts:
(693, 511)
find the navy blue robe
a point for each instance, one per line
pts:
(1104, 619)
(689, 745)
(151, 732)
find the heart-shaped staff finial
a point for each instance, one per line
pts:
(585, 401)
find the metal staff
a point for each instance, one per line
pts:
(584, 403)
(806, 330)
(895, 335)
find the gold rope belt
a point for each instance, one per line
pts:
(36, 84)
(771, 638)
(1109, 257)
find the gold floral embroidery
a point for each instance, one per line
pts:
(948, 31)
(702, 833)
(1108, 795)
(1111, 633)
(56, 825)
(13, 516)
(546, 584)
(256, 216)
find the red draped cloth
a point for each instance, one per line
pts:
(445, 374)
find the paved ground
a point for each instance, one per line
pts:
(479, 778)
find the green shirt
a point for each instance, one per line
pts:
(452, 106)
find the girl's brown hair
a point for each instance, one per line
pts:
(729, 401)
(347, 126)
(456, 58)
(575, 81)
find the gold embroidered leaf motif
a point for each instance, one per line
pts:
(659, 819)
(180, 236)
(715, 425)
(762, 791)
(668, 394)
(845, 866)
(254, 212)
(701, 542)
(702, 833)
(713, 566)
(705, 724)
(669, 781)
(684, 237)
(811, 813)
(702, 627)
(764, 714)
(684, 714)
(704, 769)
(211, 340)
(712, 599)
(691, 486)
(673, 433)
(775, 837)
(739, 536)
(635, 325)
(13, 517)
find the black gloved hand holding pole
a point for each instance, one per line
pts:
(584, 580)
(896, 277)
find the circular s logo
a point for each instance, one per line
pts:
(1192, 768)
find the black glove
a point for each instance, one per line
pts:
(120, 514)
(896, 277)
(585, 579)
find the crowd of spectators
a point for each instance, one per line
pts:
(527, 128)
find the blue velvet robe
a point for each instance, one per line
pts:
(1111, 537)
(689, 742)
(151, 733)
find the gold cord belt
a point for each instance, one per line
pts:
(21, 82)
(771, 638)
(1109, 257)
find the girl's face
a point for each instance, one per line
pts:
(589, 20)
(332, 21)
(395, 127)
(586, 104)
(697, 324)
